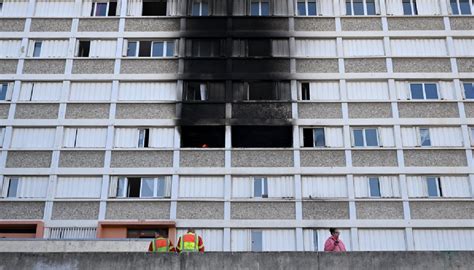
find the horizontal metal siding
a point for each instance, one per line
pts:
(367, 91)
(381, 240)
(71, 233)
(10, 48)
(161, 91)
(78, 187)
(418, 47)
(363, 47)
(55, 8)
(443, 239)
(324, 186)
(316, 48)
(90, 91)
(201, 187)
(40, 91)
(213, 238)
(33, 138)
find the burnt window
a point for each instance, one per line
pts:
(154, 8)
(305, 93)
(203, 136)
(314, 137)
(259, 47)
(84, 48)
(205, 47)
(204, 91)
(261, 90)
(262, 136)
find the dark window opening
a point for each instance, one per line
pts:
(84, 48)
(154, 8)
(145, 48)
(202, 91)
(145, 233)
(18, 230)
(261, 90)
(203, 136)
(305, 91)
(308, 137)
(134, 187)
(262, 136)
(259, 47)
(112, 9)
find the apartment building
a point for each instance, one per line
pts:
(260, 123)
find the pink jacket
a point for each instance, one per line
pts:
(330, 245)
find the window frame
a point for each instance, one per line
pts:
(420, 136)
(463, 85)
(7, 88)
(375, 180)
(123, 190)
(458, 10)
(350, 12)
(200, 12)
(164, 54)
(263, 187)
(423, 89)
(306, 7)
(364, 136)
(437, 181)
(36, 49)
(9, 187)
(305, 91)
(413, 7)
(260, 2)
(313, 132)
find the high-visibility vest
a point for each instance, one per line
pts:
(160, 244)
(189, 243)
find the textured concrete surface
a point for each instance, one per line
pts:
(36, 111)
(87, 111)
(75, 210)
(320, 158)
(261, 110)
(81, 159)
(421, 65)
(98, 25)
(469, 109)
(262, 158)
(44, 66)
(442, 210)
(93, 66)
(314, 24)
(141, 159)
(260, 65)
(365, 65)
(428, 110)
(8, 66)
(145, 111)
(12, 25)
(435, 158)
(234, 260)
(139, 66)
(317, 66)
(413, 23)
(4, 109)
(200, 210)
(461, 23)
(21, 210)
(263, 210)
(379, 210)
(29, 159)
(255, 23)
(325, 210)
(202, 158)
(51, 25)
(361, 24)
(370, 110)
(138, 210)
(151, 24)
(319, 110)
(375, 158)
(465, 64)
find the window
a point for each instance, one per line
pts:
(205, 47)
(25, 187)
(315, 240)
(37, 49)
(200, 8)
(305, 93)
(135, 187)
(154, 8)
(360, 7)
(146, 48)
(262, 136)
(374, 187)
(257, 240)
(461, 7)
(434, 186)
(468, 90)
(143, 137)
(260, 187)
(261, 90)
(306, 7)
(259, 8)
(202, 91)
(84, 48)
(5, 90)
(203, 136)
(365, 137)
(314, 137)
(13, 187)
(424, 91)
(409, 7)
(425, 137)
(104, 9)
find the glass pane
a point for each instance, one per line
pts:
(141, 138)
(348, 7)
(312, 8)
(370, 7)
(3, 91)
(358, 137)
(454, 7)
(257, 241)
(170, 48)
(161, 192)
(425, 137)
(158, 49)
(265, 188)
(121, 188)
(469, 90)
(101, 9)
(132, 49)
(144, 48)
(315, 240)
(465, 7)
(205, 9)
(432, 187)
(371, 137)
(254, 9)
(37, 49)
(319, 139)
(195, 10)
(374, 187)
(416, 91)
(147, 187)
(265, 9)
(358, 8)
(257, 187)
(301, 8)
(13, 188)
(305, 91)
(431, 91)
(407, 7)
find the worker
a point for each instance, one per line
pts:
(190, 242)
(333, 243)
(161, 244)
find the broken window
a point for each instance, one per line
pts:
(259, 47)
(262, 136)
(305, 93)
(261, 90)
(149, 48)
(203, 136)
(204, 91)
(154, 8)
(84, 48)
(141, 187)
(205, 47)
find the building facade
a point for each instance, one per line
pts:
(260, 123)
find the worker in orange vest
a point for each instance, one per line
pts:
(190, 242)
(161, 244)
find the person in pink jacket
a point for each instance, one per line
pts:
(334, 244)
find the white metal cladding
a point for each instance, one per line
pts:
(272, 240)
(442, 239)
(321, 236)
(280, 7)
(446, 136)
(78, 187)
(40, 91)
(463, 46)
(381, 239)
(14, 8)
(126, 138)
(363, 47)
(325, 7)
(162, 91)
(201, 187)
(55, 8)
(33, 137)
(85, 137)
(334, 136)
(90, 91)
(242, 187)
(316, 48)
(103, 48)
(418, 47)
(323, 90)
(280, 47)
(394, 7)
(367, 90)
(70, 233)
(213, 238)
(53, 48)
(424, 7)
(445, 89)
(31, 187)
(2, 135)
(451, 186)
(161, 137)
(417, 186)
(324, 186)
(389, 186)
(377, 7)
(386, 136)
(278, 187)
(10, 48)
(409, 136)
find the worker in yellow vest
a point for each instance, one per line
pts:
(161, 244)
(190, 242)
